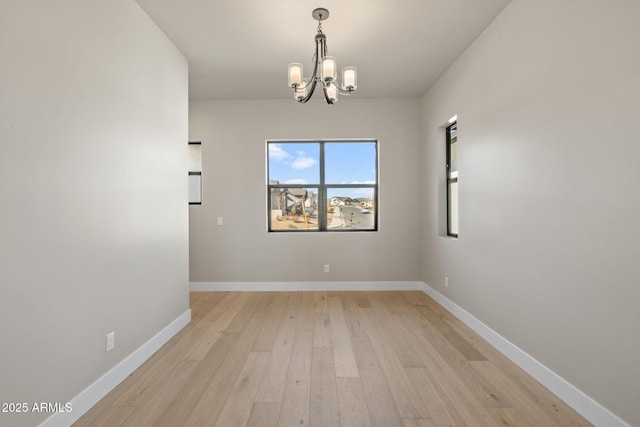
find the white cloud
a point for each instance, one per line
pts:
(296, 181)
(358, 192)
(303, 162)
(277, 153)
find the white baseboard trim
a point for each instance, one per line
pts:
(96, 391)
(304, 286)
(593, 411)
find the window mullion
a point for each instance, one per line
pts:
(322, 194)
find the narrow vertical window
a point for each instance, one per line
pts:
(195, 173)
(452, 180)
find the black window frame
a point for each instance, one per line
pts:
(452, 128)
(323, 187)
(196, 173)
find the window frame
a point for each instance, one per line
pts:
(196, 173)
(322, 187)
(451, 179)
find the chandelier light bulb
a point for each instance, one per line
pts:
(332, 93)
(301, 91)
(329, 69)
(349, 79)
(295, 74)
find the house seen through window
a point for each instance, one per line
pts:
(322, 185)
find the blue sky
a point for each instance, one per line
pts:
(345, 163)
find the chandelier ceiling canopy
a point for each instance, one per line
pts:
(324, 70)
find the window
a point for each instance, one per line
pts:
(322, 185)
(195, 173)
(452, 180)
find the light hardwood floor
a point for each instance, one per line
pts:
(322, 359)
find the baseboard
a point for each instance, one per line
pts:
(305, 286)
(591, 410)
(96, 391)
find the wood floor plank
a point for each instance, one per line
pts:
(488, 389)
(322, 331)
(183, 405)
(236, 410)
(273, 381)
(264, 414)
(320, 301)
(451, 335)
(213, 330)
(213, 398)
(457, 362)
(323, 410)
(345, 361)
(376, 300)
(104, 408)
(514, 396)
(350, 307)
(382, 408)
(204, 343)
(203, 303)
(407, 401)
(509, 417)
(295, 298)
(439, 371)
(159, 396)
(224, 302)
(246, 312)
(361, 299)
(420, 422)
(114, 416)
(306, 312)
(394, 304)
(321, 322)
(391, 329)
(353, 408)
(439, 406)
(413, 297)
(265, 304)
(294, 410)
(272, 318)
(138, 392)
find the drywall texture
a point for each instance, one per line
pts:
(93, 225)
(233, 135)
(547, 99)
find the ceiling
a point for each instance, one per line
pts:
(240, 49)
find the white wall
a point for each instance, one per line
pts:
(93, 223)
(233, 135)
(548, 100)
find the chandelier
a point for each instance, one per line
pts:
(324, 70)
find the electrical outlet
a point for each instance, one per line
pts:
(110, 342)
(446, 281)
(219, 220)
(326, 268)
